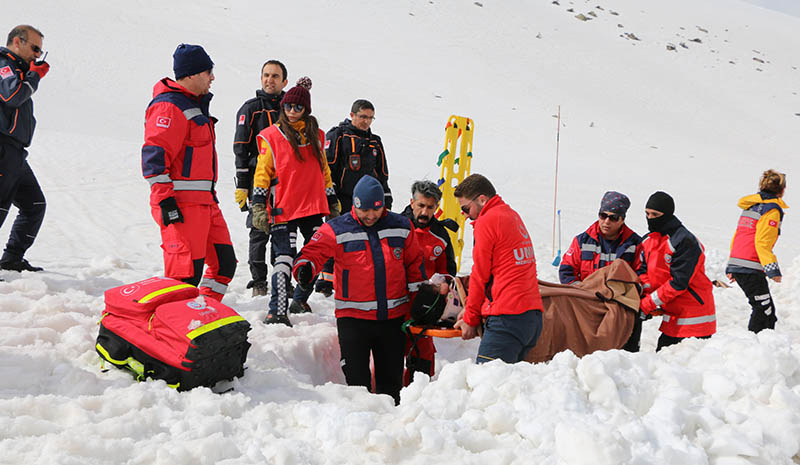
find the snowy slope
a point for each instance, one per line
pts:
(700, 122)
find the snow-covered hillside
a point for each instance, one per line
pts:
(694, 98)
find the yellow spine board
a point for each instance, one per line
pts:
(455, 161)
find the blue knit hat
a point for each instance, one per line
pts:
(615, 202)
(368, 194)
(189, 60)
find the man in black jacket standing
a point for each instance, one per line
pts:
(20, 74)
(353, 151)
(254, 115)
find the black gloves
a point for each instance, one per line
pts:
(305, 275)
(170, 213)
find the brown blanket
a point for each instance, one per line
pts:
(596, 314)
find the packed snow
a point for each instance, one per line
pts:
(700, 122)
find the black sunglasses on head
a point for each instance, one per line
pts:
(606, 216)
(298, 107)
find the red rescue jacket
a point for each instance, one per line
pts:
(675, 279)
(178, 156)
(297, 189)
(376, 269)
(587, 254)
(504, 265)
(756, 233)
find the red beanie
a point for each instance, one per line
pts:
(299, 94)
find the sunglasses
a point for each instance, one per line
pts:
(35, 48)
(606, 216)
(298, 107)
(466, 208)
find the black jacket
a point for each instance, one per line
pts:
(353, 153)
(255, 114)
(439, 229)
(17, 85)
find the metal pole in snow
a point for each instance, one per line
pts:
(555, 194)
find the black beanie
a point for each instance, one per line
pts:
(661, 201)
(189, 60)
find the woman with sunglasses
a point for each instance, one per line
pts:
(606, 240)
(752, 260)
(293, 175)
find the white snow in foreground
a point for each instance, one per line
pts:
(700, 123)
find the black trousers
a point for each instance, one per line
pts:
(636, 335)
(756, 289)
(19, 187)
(666, 341)
(257, 252)
(284, 248)
(386, 342)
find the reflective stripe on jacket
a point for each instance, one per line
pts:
(756, 233)
(674, 278)
(586, 253)
(376, 269)
(178, 156)
(504, 265)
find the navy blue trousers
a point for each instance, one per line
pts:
(509, 337)
(19, 187)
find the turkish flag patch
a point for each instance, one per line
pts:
(241, 120)
(5, 72)
(327, 143)
(773, 223)
(163, 121)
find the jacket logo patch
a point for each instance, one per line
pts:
(327, 143)
(437, 250)
(375, 153)
(163, 122)
(398, 253)
(241, 120)
(773, 223)
(317, 236)
(5, 72)
(668, 258)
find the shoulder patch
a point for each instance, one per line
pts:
(773, 223)
(241, 120)
(6, 72)
(163, 121)
(327, 143)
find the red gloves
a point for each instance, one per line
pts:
(40, 68)
(647, 305)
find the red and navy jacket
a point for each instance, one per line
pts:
(437, 250)
(589, 252)
(377, 269)
(353, 153)
(674, 279)
(255, 115)
(756, 233)
(503, 265)
(178, 156)
(17, 85)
